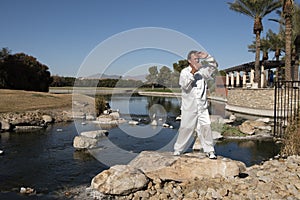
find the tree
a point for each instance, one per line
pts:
(164, 77)
(152, 76)
(293, 28)
(175, 79)
(287, 11)
(4, 53)
(180, 65)
(23, 72)
(265, 46)
(277, 43)
(256, 9)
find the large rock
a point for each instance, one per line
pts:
(148, 161)
(82, 142)
(249, 127)
(119, 180)
(165, 166)
(162, 166)
(95, 134)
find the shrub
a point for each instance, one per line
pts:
(291, 144)
(100, 104)
(226, 130)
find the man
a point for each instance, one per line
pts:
(194, 112)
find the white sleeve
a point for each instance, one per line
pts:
(186, 79)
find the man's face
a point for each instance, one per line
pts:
(194, 61)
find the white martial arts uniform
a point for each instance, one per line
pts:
(194, 112)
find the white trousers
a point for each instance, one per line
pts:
(190, 122)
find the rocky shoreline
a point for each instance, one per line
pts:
(223, 179)
(32, 120)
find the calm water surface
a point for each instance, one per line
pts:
(47, 161)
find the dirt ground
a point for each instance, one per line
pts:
(20, 100)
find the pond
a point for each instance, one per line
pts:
(46, 160)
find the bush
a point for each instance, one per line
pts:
(100, 104)
(291, 144)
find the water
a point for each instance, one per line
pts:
(46, 160)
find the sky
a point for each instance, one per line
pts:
(125, 37)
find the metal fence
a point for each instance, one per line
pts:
(286, 105)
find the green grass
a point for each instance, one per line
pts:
(226, 130)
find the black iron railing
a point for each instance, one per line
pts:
(286, 105)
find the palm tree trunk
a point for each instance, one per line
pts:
(257, 59)
(288, 48)
(277, 54)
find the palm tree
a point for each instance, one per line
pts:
(256, 9)
(287, 11)
(277, 43)
(295, 31)
(265, 46)
(296, 34)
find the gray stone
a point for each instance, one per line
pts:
(120, 180)
(90, 117)
(95, 134)
(47, 119)
(115, 115)
(249, 127)
(82, 142)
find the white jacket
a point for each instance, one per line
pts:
(193, 90)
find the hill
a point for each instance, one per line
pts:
(106, 76)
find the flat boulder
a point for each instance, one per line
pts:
(165, 166)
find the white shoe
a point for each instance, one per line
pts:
(176, 153)
(211, 155)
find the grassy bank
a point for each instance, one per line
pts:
(19, 100)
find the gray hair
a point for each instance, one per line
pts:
(190, 54)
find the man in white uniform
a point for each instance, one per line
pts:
(194, 112)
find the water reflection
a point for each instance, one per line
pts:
(248, 151)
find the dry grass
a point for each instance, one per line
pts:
(292, 140)
(19, 100)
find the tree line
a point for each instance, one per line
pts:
(61, 81)
(23, 72)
